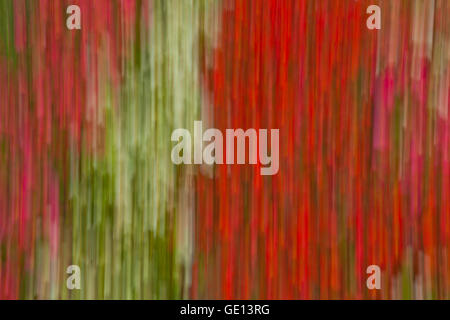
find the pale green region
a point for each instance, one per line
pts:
(132, 209)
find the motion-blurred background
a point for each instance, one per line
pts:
(86, 177)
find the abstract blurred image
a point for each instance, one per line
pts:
(92, 205)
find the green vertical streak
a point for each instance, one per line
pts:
(7, 48)
(125, 201)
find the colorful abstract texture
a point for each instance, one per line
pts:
(86, 176)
